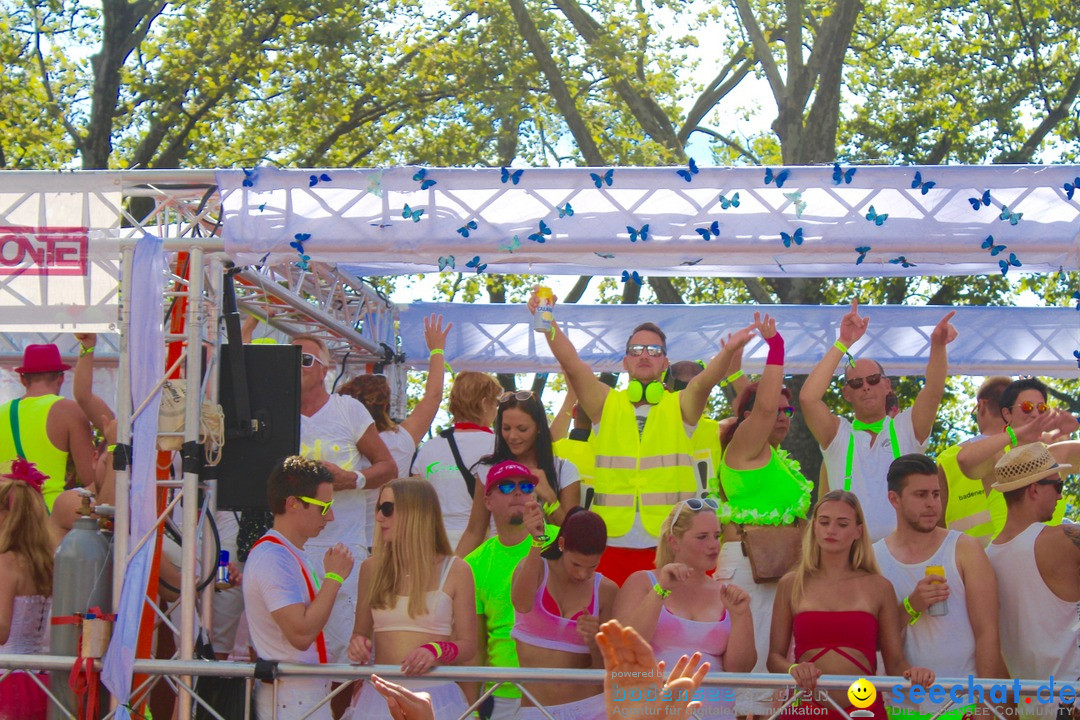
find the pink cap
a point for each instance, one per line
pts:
(506, 470)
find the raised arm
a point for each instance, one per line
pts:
(752, 435)
(529, 573)
(82, 387)
(590, 391)
(693, 398)
(924, 409)
(419, 421)
(560, 424)
(977, 457)
(821, 421)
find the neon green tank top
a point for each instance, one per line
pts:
(775, 494)
(33, 413)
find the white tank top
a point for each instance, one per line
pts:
(945, 643)
(1039, 636)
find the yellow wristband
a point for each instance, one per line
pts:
(731, 378)
(84, 351)
(912, 612)
(660, 591)
(111, 448)
(793, 666)
(436, 351)
(844, 349)
(334, 576)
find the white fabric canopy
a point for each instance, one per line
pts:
(969, 220)
(499, 338)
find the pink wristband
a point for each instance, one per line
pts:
(444, 652)
(776, 350)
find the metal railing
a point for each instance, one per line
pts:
(179, 671)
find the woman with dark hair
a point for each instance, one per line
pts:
(559, 602)
(764, 492)
(522, 434)
(838, 609)
(26, 570)
(402, 438)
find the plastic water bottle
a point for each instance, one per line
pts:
(542, 319)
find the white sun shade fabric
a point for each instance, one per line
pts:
(499, 338)
(827, 221)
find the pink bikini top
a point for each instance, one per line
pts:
(544, 626)
(675, 635)
(439, 619)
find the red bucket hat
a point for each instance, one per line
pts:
(41, 359)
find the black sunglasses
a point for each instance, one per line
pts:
(386, 509)
(1058, 485)
(856, 383)
(307, 360)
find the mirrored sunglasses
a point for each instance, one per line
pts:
(652, 350)
(508, 487)
(856, 383)
(1027, 406)
(317, 503)
(789, 411)
(307, 360)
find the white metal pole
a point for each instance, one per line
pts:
(122, 521)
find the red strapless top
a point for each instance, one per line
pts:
(834, 631)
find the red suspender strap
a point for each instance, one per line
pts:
(320, 640)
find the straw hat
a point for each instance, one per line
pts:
(1025, 465)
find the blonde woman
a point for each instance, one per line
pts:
(680, 610)
(26, 568)
(838, 608)
(417, 601)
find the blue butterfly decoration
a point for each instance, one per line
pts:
(1011, 262)
(710, 231)
(988, 244)
(421, 177)
(800, 204)
(513, 177)
(476, 264)
(924, 187)
(511, 245)
(862, 254)
(407, 212)
(316, 179)
(840, 175)
(566, 211)
(262, 207)
(690, 171)
(300, 238)
(779, 178)
(464, 229)
(1076, 354)
(691, 263)
(902, 261)
(877, 218)
(447, 261)
(539, 235)
(642, 234)
(302, 263)
(794, 238)
(605, 179)
(733, 202)
(978, 203)
(1012, 217)
(1076, 297)
(1070, 188)
(606, 256)
(250, 176)
(634, 276)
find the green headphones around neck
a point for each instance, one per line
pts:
(653, 392)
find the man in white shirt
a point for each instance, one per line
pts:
(1038, 573)
(857, 453)
(964, 641)
(339, 432)
(288, 601)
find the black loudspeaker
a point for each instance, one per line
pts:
(273, 379)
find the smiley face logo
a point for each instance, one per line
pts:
(862, 693)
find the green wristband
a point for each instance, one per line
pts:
(660, 591)
(912, 612)
(334, 576)
(84, 350)
(1012, 435)
(731, 378)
